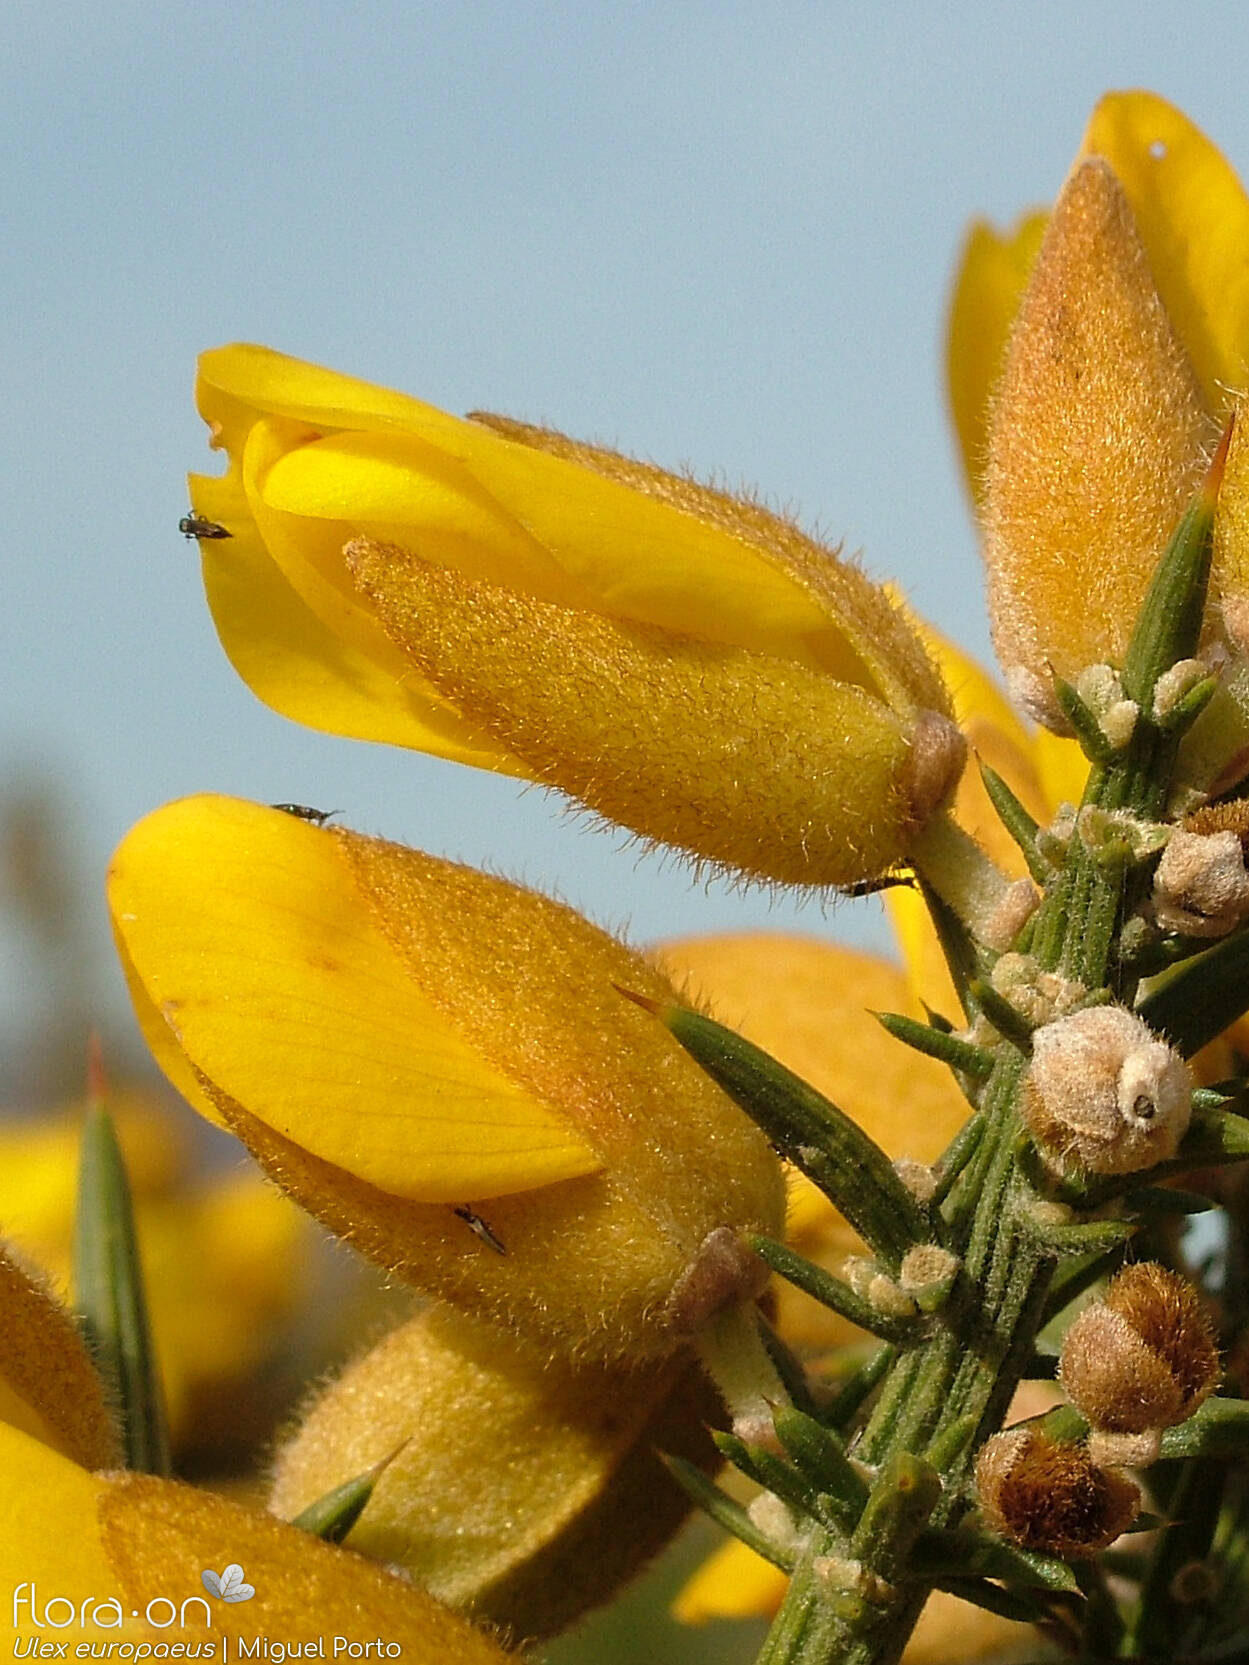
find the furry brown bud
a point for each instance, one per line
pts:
(1104, 1094)
(1143, 1357)
(1050, 1496)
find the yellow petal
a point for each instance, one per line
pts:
(392, 485)
(993, 270)
(249, 938)
(734, 1583)
(1095, 447)
(235, 384)
(752, 763)
(44, 1361)
(810, 1003)
(1193, 217)
(160, 1536)
(48, 1535)
(292, 658)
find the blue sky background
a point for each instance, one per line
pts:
(712, 234)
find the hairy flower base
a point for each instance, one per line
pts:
(524, 1491)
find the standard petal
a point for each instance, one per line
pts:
(993, 271)
(243, 380)
(1193, 216)
(399, 486)
(250, 939)
(648, 546)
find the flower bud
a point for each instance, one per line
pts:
(1103, 1094)
(1049, 1496)
(427, 1059)
(1201, 888)
(1144, 1356)
(1096, 445)
(526, 1490)
(679, 660)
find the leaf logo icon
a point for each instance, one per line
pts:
(229, 1585)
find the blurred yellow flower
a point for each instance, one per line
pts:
(227, 1259)
(680, 661)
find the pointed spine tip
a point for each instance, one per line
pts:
(656, 1008)
(1218, 463)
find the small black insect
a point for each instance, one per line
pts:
(193, 526)
(305, 812)
(479, 1228)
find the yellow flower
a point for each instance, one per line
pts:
(226, 1260)
(680, 661)
(396, 1037)
(1124, 360)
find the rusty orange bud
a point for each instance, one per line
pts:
(1050, 1496)
(1144, 1356)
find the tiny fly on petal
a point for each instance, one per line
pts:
(305, 812)
(193, 526)
(479, 1228)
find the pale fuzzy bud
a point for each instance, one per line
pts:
(1054, 840)
(1049, 1496)
(919, 1179)
(1103, 1094)
(1201, 888)
(1125, 1450)
(1143, 1357)
(1173, 684)
(875, 1287)
(841, 1573)
(1040, 995)
(1101, 690)
(927, 1274)
(774, 1520)
(1012, 913)
(1103, 829)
